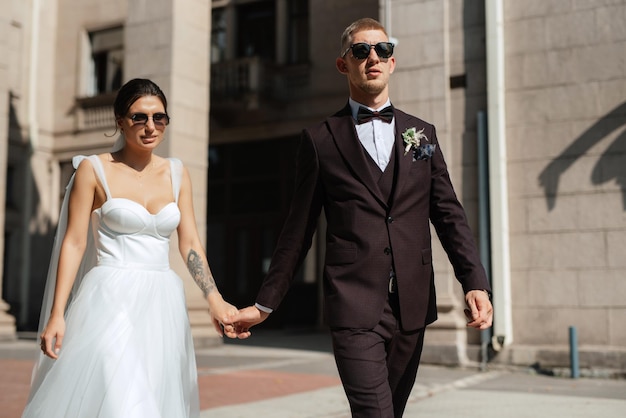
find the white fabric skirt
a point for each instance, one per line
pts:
(127, 351)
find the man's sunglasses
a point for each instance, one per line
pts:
(362, 50)
(159, 119)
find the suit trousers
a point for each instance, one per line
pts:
(378, 366)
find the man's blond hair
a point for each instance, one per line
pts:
(365, 23)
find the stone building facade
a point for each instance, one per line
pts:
(529, 100)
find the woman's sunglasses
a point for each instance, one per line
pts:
(362, 50)
(159, 119)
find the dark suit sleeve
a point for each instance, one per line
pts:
(449, 219)
(297, 233)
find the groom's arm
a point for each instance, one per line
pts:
(450, 221)
(297, 233)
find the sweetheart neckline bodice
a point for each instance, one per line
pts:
(122, 217)
(125, 233)
(135, 203)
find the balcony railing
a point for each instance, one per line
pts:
(244, 82)
(95, 112)
(246, 79)
(236, 79)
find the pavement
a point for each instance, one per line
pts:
(291, 374)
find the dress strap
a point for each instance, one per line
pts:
(176, 168)
(97, 167)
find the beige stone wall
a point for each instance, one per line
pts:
(566, 127)
(566, 136)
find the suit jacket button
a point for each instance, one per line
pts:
(387, 250)
(389, 219)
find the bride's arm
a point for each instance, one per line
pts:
(193, 254)
(71, 254)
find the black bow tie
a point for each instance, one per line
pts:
(365, 115)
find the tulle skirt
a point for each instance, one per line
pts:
(127, 351)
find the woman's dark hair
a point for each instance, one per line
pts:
(133, 90)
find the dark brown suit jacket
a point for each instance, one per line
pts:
(365, 229)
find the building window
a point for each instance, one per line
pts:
(249, 192)
(219, 40)
(256, 23)
(107, 60)
(298, 39)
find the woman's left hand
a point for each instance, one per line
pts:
(221, 311)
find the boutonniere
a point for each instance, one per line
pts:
(413, 140)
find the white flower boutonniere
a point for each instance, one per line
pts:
(412, 138)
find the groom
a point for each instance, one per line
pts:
(380, 176)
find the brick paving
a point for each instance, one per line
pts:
(221, 388)
(14, 384)
(277, 382)
(255, 385)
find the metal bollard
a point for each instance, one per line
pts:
(573, 352)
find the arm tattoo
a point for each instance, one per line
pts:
(200, 273)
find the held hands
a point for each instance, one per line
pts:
(221, 312)
(479, 311)
(248, 317)
(54, 332)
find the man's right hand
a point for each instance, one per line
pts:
(246, 318)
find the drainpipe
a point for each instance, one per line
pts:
(498, 187)
(387, 15)
(484, 232)
(385, 10)
(33, 133)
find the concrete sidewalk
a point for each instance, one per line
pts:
(293, 375)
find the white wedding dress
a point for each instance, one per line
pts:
(128, 350)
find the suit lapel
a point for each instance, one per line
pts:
(403, 162)
(341, 126)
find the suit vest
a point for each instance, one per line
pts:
(385, 179)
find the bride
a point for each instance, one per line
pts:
(115, 336)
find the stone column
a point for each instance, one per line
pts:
(7, 322)
(423, 59)
(168, 41)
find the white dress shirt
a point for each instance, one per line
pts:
(376, 135)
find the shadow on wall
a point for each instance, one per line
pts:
(25, 262)
(611, 165)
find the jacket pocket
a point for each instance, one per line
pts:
(344, 253)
